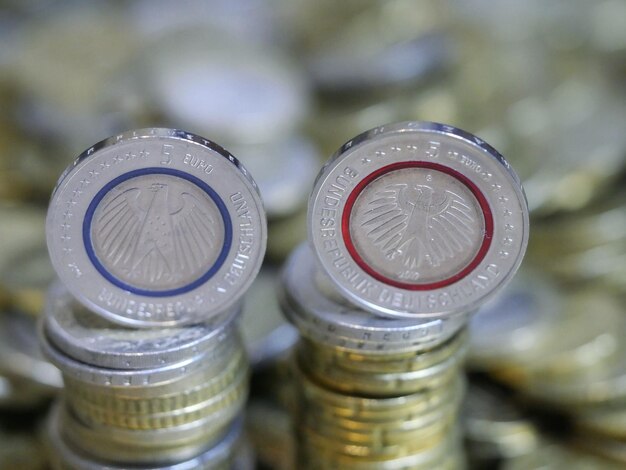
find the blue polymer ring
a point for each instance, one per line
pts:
(228, 232)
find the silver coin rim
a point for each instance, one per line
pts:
(59, 298)
(220, 450)
(87, 296)
(304, 304)
(445, 132)
(129, 378)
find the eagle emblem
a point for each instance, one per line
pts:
(157, 236)
(418, 225)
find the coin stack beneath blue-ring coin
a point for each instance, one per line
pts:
(155, 234)
(411, 227)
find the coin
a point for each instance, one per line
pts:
(228, 400)
(164, 445)
(184, 393)
(418, 219)
(375, 410)
(93, 340)
(156, 227)
(382, 383)
(308, 300)
(218, 456)
(139, 378)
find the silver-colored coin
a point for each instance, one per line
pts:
(314, 309)
(64, 457)
(164, 445)
(93, 340)
(133, 378)
(156, 227)
(418, 219)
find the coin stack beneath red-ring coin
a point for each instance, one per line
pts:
(412, 227)
(155, 234)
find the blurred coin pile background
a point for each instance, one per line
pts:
(282, 84)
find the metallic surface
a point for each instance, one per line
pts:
(219, 456)
(93, 340)
(309, 301)
(420, 228)
(415, 430)
(130, 378)
(156, 227)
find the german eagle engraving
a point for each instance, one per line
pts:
(158, 235)
(419, 225)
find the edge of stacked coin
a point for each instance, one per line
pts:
(371, 391)
(155, 398)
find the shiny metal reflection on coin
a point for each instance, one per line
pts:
(309, 301)
(93, 340)
(156, 227)
(126, 377)
(418, 219)
(231, 451)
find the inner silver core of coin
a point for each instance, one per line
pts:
(417, 225)
(157, 232)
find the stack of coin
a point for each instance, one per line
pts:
(369, 385)
(143, 396)
(170, 232)
(414, 225)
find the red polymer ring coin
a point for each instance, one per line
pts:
(418, 219)
(487, 232)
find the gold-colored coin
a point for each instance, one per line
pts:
(229, 400)
(372, 408)
(141, 446)
(376, 436)
(391, 384)
(382, 363)
(187, 391)
(444, 454)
